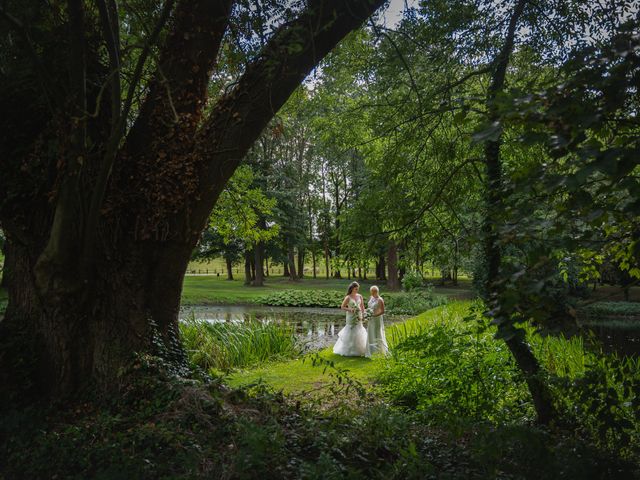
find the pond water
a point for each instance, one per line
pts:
(316, 327)
(615, 337)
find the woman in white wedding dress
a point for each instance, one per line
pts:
(352, 339)
(376, 339)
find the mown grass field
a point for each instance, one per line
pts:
(210, 289)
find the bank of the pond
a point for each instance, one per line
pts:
(301, 375)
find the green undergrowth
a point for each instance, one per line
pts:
(163, 427)
(422, 413)
(414, 302)
(447, 364)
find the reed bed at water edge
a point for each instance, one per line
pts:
(225, 346)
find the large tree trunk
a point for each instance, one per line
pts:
(327, 270)
(99, 238)
(381, 268)
(92, 338)
(259, 265)
(393, 282)
(229, 268)
(300, 262)
(247, 267)
(524, 357)
(313, 262)
(456, 254)
(292, 263)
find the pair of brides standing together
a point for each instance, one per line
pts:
(354, 340)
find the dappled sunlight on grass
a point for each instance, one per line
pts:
(301, 375)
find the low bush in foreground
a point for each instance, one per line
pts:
(450, 373)
(164, 427)
(456, 372)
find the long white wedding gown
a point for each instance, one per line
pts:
(352, 339)
(376, 339)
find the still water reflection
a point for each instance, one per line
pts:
(317, 326)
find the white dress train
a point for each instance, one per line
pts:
(352, 339)
(376, 339)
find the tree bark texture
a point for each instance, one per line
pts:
(300, 262)
(393, 282)
(259, 265)
(247, 267)
(291, 257)
(520, 350)
(229, 268)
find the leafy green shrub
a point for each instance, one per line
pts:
(413, 303)
(530, 452)
(604, 403)
(610, 309)
(303, 298)
(454, 374)
(224, 346)
(412, 280)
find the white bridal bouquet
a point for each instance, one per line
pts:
(368, 313)
(356, 309)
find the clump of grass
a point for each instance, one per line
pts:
(227, 346)
(561, 356)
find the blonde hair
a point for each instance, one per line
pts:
(374, 287)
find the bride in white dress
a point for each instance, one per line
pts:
(352, 339)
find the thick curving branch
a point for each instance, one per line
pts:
(178, 90)
(289, 56)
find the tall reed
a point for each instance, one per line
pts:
(225, 346)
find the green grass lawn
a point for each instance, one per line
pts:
(300, 375)
(207, 289)
(210, 289)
